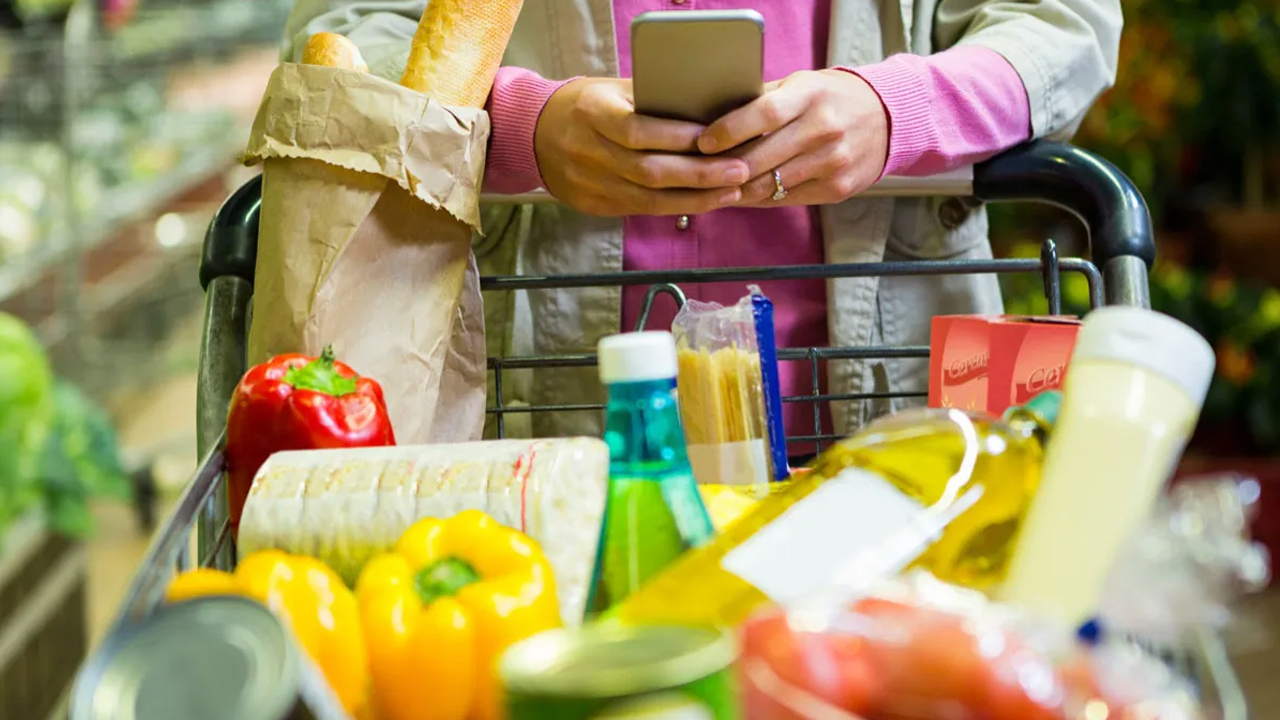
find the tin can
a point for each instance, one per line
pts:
(614, 671)
(212, 658)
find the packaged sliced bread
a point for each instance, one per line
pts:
(343, 506)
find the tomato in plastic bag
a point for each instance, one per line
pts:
(883, 660)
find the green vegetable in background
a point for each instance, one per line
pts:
(81, 462)
(26, 413)
(58, 449)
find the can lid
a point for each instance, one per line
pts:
(610, 659)
(637, 356)
(1150, 340)
(213, 658)
(668, 705)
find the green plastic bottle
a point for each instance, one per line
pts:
(654, 512)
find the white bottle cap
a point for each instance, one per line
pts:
(1150, 340)
(633, 357)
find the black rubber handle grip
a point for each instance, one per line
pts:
(231, 243)
(1042, 171)
(1096, 191)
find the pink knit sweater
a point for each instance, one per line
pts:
(945, 111)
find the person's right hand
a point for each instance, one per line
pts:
(601, 158)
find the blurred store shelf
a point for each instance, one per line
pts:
(117, 207)
(166, 33)
(119, 136)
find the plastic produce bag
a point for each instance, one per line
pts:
(724, 392)
(1182, 569)
(918, 649)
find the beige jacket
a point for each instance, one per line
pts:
(1064, 50)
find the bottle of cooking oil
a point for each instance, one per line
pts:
(904, 476)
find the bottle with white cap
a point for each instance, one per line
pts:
(1134, 388)
(654, 512)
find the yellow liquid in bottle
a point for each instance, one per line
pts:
(859, 493)
(726, 503)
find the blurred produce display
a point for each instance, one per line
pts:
(1195, 112)
(119, 121)
(57, 448)
(90, 113)
(1194, 120)
(26, 413)
(110, 113)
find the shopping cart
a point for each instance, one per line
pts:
(1111, 208)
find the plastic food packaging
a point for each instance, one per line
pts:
(1182, 569)
(918, 649)
(345, 506)
(722, 392)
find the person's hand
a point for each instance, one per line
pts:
(601, 158)
(826, 132)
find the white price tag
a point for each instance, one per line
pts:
(809, 545)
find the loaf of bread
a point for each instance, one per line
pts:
(344, 506)
(458, 48)
(333, 50)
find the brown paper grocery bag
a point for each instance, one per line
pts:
(370, 195)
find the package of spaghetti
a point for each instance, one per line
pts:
(722, 393)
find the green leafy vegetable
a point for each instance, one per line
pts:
(81, 462)
(26, 414)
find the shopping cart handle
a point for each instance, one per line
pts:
(231, 243)
(1077, 180)
(1041, 171)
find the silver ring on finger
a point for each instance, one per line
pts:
(779, 190)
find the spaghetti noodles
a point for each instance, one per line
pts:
(721, 389)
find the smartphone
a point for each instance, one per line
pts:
(696, 65)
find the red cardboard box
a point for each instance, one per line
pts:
(991, 363)
(959, 361)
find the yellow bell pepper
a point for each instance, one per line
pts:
(440, 608)
(321, 611)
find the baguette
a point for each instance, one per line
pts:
(333, 50)
(458, 48)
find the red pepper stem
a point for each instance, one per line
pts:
(321, 375)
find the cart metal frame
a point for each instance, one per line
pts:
(1121, 247)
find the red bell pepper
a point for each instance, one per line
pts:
(295, 402)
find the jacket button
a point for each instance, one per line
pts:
(952, 213)
(682, 223)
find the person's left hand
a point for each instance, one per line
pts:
(825, 131)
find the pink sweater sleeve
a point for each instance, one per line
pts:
(515, 103)
(950, 109)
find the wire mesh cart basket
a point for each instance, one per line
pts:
(1111, 208)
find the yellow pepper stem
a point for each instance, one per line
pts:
(443, 578)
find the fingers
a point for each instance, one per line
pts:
(768, 153)
(817, 177)
(662, 171)
(619, 197)
(611, 112)
(808, 193)
(769, 113)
